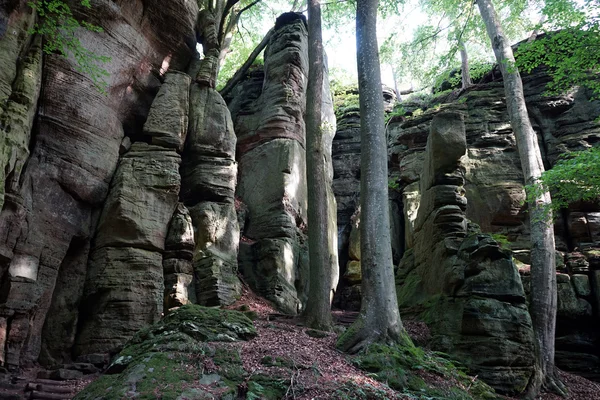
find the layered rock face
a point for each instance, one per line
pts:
(51, 205)
(494, 187)
(268, 113)
(209, 176)
(459, 281)
(124, 285)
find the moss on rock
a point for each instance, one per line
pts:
(403, 368)
(165, 360)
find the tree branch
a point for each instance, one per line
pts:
(237, 77)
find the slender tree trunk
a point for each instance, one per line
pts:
(543, 273)
(379, 318)
(318, 307)
(394, 76)
(536, 31)
(464, 61)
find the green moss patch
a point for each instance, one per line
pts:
(421, 373)
(172, 357)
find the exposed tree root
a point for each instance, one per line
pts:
(361, 334)
(549, 383)
(552, 384)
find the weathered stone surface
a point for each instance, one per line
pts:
(209, 173)
(169, 129)
(123, 294)
(211, 128)
(48, 218)
(125, 285)
(216, 251)
(445, 147)
(142, 199)
(16, 117)
(353, 273)
(177, 260)
(581, 284)
(463, 284)
(569, 306)
(269, 123)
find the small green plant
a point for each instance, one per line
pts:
(58, 26)
(574, 177)
(345, 97)
(398, 111)
(393, 185)
(502, 240)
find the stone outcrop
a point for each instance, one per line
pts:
(125, 285)
(494, 187)
(268, 113)
(460, 281)
(209, 174)
(184, 344)
(60, 175)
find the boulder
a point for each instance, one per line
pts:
(185, 343)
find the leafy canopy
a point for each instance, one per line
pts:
(572, 54)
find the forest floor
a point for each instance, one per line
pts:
(316, 370)
(336, 377)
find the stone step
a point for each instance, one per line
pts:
(49, 388)
(48, 396)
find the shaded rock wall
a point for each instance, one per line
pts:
(494, 188)
(50, 211)
(125, 286)
(346, 187)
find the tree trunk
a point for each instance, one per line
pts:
(464, 61)
(318, 307)
(394, 76)
(543, 274)
(379, 318)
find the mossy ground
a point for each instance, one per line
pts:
(171, 360)
(421, 374)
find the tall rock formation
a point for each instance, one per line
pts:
(461, 282)
(269, 124)
(495, 193)
(209, 174)
(124, 289)
(49, 212)
(268, 112)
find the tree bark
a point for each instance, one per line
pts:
(379, 318)
(464, 61)
(543, 274)
(318, 307)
